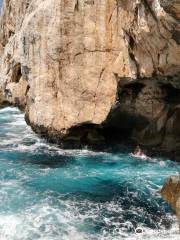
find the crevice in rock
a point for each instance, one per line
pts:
(27, 90)
(16, 76)
(149, 9)
(76, 7)
(131, 46)
(176, 36)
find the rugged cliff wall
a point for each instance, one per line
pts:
(171, 193)
(83, 70)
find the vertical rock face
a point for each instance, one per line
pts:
(75, 66)
(171, 193)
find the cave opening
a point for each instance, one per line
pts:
(17, 74)
(171, 93)
(127, 116)
(85, 134)
(123, 118)
(129, 91)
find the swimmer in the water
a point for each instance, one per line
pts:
(138, 151)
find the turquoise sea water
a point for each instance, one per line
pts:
(51, 194)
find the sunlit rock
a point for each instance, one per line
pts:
(98, 65)
(171, 193)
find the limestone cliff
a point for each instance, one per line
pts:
(171, 193)
(84, 69)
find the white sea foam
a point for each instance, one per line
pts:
(16, 136)
(67, 220)
(42, 222)
(45, 222)
(9, 109)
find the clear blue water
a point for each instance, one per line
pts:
(51, 194)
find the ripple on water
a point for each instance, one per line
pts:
(48, 193)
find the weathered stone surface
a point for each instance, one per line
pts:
(2, 98)
(87, 64)
(171, 7)
(171, 193)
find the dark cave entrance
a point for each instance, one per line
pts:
(171, 94)
(17, 74)
(123, 118)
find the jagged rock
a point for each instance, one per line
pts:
(2, 98)
(171, 7)
(92, 63)
(171, 194)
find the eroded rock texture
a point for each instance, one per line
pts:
(82, 69)
(171, 193)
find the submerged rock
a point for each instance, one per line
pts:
(103, 67)
(171, 194)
